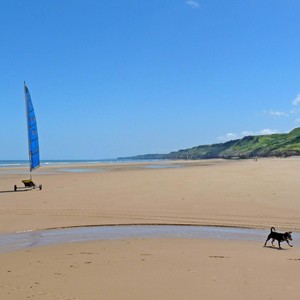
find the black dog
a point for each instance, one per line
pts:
(280, 237)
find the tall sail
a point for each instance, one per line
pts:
(33, 141)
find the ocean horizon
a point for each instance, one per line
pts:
(57, 162)
(21, 163)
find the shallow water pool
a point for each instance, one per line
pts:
(23, 240)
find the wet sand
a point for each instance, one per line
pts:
(219, 193)
(151, 269)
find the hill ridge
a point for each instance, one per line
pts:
(278, 145)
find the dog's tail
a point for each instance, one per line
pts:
(273, 229)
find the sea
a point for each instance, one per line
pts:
(79, 165)
(25, 163)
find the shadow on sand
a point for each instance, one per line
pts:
(13, 191)
(276, 248)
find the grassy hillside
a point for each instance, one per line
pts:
(280, 145)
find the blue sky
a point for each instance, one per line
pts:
(125, 77)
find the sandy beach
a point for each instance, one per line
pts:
(239, 193)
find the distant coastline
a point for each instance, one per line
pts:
(273, 145)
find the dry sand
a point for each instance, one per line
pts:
(221, 193)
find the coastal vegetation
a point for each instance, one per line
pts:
(273, 145)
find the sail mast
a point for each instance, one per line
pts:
(27, 119)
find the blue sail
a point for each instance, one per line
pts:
(33, 141)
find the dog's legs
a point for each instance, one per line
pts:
(266, 241)
(272, 242)
(279, 245)
(289, 243)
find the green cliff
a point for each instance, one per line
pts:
(279, 145)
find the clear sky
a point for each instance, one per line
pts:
(112, 78)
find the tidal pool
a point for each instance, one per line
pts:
(28, 239)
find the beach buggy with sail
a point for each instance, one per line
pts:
(33, 142)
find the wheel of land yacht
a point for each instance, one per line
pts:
(15, 188)
(40, 187)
